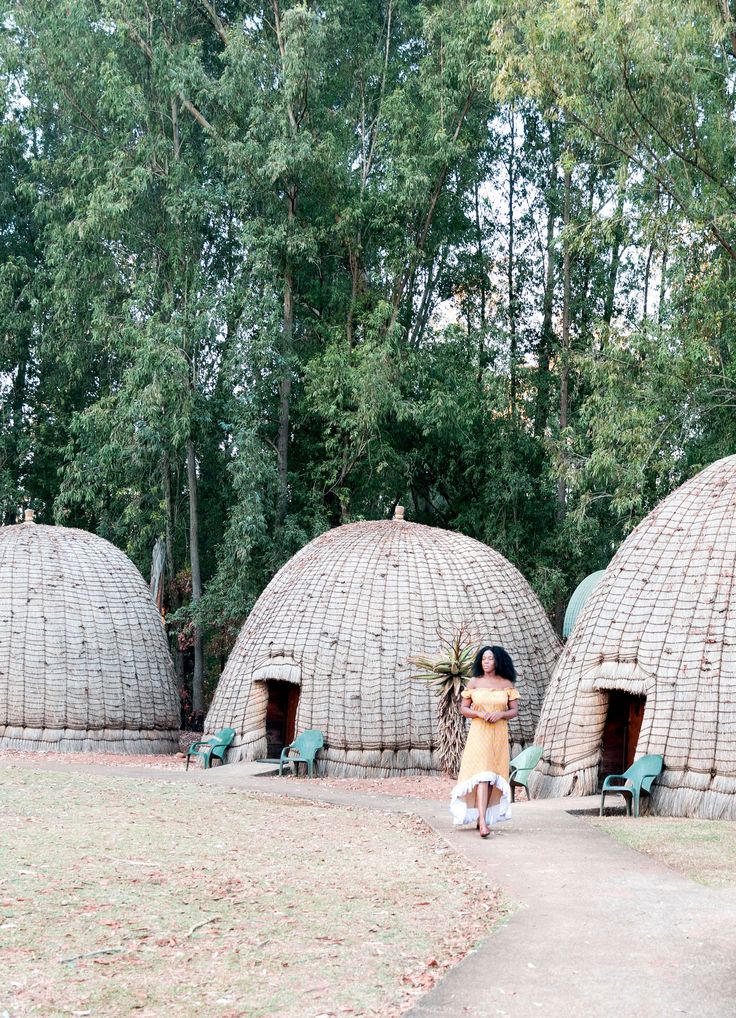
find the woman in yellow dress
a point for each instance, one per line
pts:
(482, 795)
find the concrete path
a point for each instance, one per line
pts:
(597, 930)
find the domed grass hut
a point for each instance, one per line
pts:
(651, 664)
(84, 663)
(327, 643)
(580, 595)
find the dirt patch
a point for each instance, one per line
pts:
(414, 786)
(123, 898)
(704, 850)
(170, 761)
(417, 786)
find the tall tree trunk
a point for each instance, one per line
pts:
(584, 304)
(564, 382)
(354, 261)
(481, 260)
(287, 340)
(618, 239)
(547, 336)
(662, 284)
(513, 342)
(647, 275)
(482, 280)
(16, 433)
(198, 677)
(173, 590)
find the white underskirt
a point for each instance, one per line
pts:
(467, 816)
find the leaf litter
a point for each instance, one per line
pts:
(255, 907)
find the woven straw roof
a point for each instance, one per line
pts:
(661, 623)
(341, 618)
(84, 663)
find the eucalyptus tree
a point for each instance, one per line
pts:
(129, 232)
(653, 88)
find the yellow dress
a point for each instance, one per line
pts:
(485, 758)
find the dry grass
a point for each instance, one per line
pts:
(149, 899)
(413, 786)
(154, 761)
(704, 850)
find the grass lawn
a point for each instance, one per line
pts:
(151, 898)
(704, 850)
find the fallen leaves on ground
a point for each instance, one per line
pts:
(121, 897)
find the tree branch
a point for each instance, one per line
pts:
(215, 19)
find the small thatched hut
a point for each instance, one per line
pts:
(579, 596)
(651, 664)
(84, 663)
(327, 643)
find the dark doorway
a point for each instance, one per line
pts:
(621, 733)
(283, 698)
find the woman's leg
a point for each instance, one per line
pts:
(481, 798)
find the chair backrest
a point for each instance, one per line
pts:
(528, 758)
(309, 741)
(649, 766)
(224, 737)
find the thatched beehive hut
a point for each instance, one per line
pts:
(579, 596)
(84, 663)
(651, 664)
(327, 643)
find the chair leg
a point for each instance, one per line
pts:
(603, 800)
(635, 802)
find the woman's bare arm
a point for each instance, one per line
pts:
(499, 715)
(470, 712)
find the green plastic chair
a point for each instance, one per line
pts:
(305, 746)
(642, 774)
(216, 747)
(521, 767)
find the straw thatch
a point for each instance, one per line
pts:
(662, 624)
(84, 663)
(340, 620)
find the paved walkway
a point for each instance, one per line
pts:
(598, 930)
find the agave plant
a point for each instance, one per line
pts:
(448, 672)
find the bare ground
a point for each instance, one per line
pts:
(414, 785)
(120, 898)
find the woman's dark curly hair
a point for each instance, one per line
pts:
(504, 665)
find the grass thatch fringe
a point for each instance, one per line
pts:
(691, 802)
(343, 763)
(251, 746)
(583, 781)
(101, 740)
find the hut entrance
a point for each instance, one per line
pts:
(621, 733)
(283, 699)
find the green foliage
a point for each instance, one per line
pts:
(327, 249)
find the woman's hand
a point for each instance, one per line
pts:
(496, 715)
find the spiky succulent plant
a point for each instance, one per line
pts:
(448, 672)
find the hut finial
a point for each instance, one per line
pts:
(399, 512)
(29, 516)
